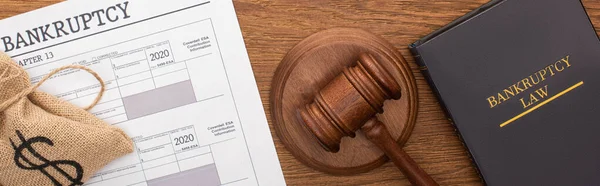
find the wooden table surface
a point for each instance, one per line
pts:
(271, 28)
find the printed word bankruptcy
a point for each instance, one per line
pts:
(528, 82)
(68, 26)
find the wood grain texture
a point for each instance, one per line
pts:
(271, 28)
(377, 133)
(326, 64)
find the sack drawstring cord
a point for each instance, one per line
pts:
(4, 105)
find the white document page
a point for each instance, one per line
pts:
(179, 83)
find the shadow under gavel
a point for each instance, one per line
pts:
(349, 103)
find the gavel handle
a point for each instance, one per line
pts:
(377, 133)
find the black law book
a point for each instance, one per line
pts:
(520, 80)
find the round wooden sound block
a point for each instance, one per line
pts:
(313, 63)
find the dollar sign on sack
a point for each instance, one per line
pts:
(25, 163)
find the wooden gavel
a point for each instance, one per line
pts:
(350, 102)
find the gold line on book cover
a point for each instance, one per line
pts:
(541, 104)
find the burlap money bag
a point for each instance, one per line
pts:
(47, 141)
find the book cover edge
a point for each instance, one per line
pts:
(413, 48)
(456, 22)
(448, 116)
(589, 19)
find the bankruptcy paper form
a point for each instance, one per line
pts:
(179, 82)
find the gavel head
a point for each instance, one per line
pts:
(348, 101)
